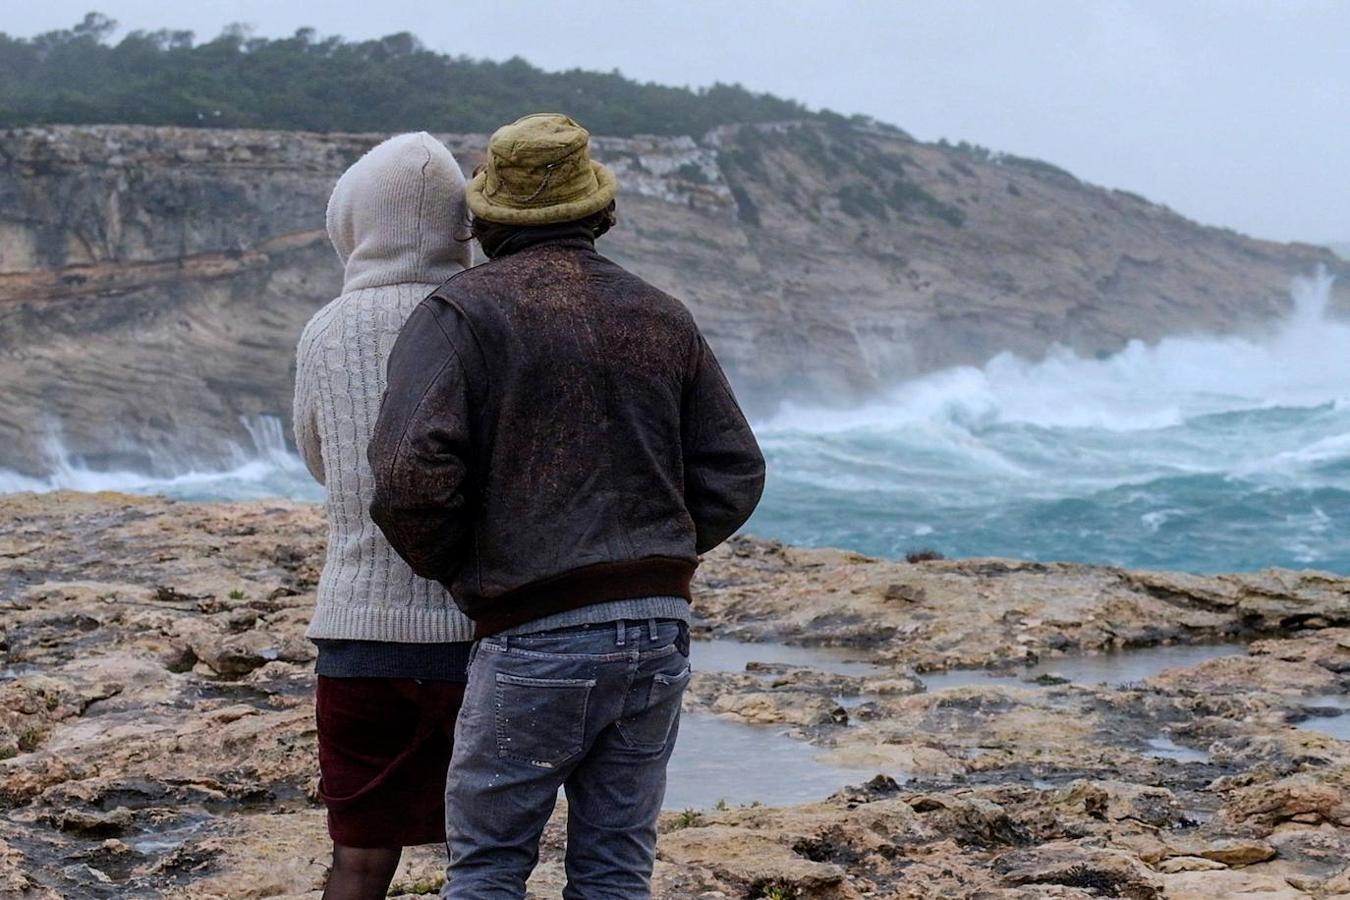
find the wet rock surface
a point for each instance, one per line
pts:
(157, 734)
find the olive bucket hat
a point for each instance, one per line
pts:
(539, 172)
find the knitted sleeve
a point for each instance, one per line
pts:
(308, 359)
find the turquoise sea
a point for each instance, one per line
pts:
(1197, 453)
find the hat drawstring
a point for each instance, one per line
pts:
(548, 173)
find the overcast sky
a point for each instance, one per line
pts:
(1233, 112)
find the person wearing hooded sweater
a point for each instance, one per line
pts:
(393, 647)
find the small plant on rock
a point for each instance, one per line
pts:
(30, 739)
(689, 818)
(773, 890)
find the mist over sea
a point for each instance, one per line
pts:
(1198, 453)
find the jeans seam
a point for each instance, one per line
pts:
(540, 654)
(527, 681)
(631, 675)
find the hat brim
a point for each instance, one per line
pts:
(607, 187)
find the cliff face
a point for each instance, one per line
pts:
(153, 281)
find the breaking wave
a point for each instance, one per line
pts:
(1198, 453)
(266, 469)
(1195, 453)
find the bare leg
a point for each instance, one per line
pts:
(361, 873)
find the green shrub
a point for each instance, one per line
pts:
(860, 200)
(689, 818)
(692, 172)
(905, 196)
(81, 75)
(30, 739)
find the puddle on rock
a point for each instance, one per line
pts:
(161, 841)
(1163, 747)
(1337, 726)
(719, 760)
(1327, 715)
(719, 655)
(18, 670)
(853, 701)
(1114, 669)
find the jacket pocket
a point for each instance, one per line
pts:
(541, 721)
(654, 708)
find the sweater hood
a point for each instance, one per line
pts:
(398, 215)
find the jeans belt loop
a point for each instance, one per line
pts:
(651, 629)
(620, 632)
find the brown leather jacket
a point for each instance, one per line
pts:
(556, 433)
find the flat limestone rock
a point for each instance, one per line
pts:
(157, 732)
(1230, 885)
(748, 858)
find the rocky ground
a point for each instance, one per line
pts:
(157, 735)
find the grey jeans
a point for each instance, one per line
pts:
(594, 709)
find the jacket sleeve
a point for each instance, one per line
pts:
(419, 451)
(304, 409)
(723, 466)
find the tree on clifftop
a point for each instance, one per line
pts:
(393, 83)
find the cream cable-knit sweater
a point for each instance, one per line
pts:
(394, 218)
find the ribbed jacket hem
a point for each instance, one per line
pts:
(656, 576)
(403, 626)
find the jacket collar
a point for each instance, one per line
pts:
(568, 234)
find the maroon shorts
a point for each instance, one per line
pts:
(384, 748)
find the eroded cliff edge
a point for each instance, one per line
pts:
(153, 280)
(157, 727)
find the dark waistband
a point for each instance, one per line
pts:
(386, 659)
(592, 627)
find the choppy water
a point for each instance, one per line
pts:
(1201, 454)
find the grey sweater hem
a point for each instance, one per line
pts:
(396, 624)
(676, 608)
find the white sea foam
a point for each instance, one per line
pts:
(1302, 362)
(266, 469)
(1205, 453)
(1199, 453)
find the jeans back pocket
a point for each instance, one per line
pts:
(541, 721)
(654, 708)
